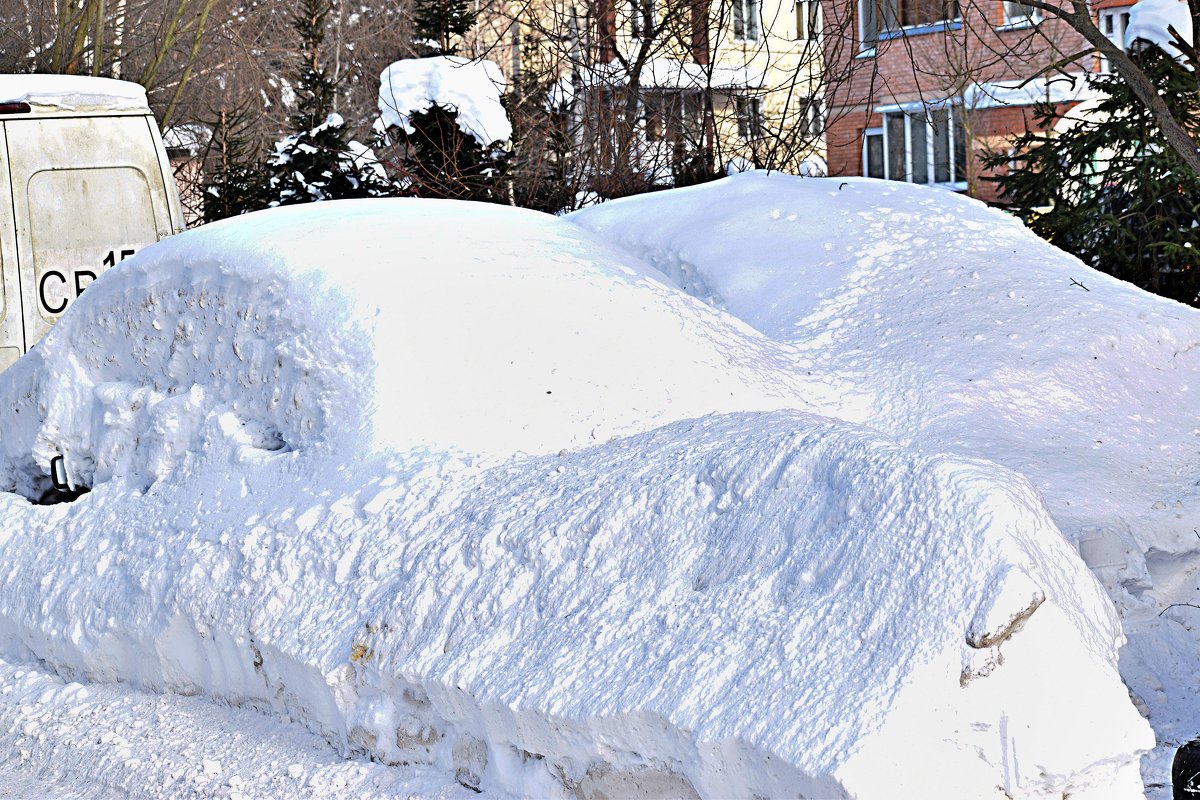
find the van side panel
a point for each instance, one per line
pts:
(87, 193)
(12, 337)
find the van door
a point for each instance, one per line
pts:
(12, 336)
(87, 193)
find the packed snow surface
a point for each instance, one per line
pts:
(472, 87)
(73, 93)
(968, 334)
(463, 486)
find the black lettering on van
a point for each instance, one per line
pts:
(110, 260)
(91, 277)
(42, 291)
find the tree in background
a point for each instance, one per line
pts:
(236, 183)
(431, 150)
(440, 25)
(439, 159)
(1110, 189)
(317, 161)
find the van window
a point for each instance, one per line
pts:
(111, 216)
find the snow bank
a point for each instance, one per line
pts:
(1149, 20)
(470, 87)
(73, 93)
(971, 335)
(449, 489)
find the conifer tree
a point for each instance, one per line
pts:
(317, 161)
(236, 183)
(439, 24)
(1109, 188)
(438, 158)
(442, 160)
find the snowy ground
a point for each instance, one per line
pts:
(512, 506)
(65, 740)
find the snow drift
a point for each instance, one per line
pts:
(971, 335)
(463, 486)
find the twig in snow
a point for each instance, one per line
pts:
(1080, 285)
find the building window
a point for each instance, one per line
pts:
(807, 19)
(745, 20)
(749, 117)
(880, 17)
(925, 145)
(814, 120)
(671, 116)
(638, 11)
(1018, 14)
(1113, 23)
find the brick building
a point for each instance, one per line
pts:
(921, 89)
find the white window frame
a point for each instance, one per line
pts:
(1033, 16)
(867, 134)
(808, 20)
(954, 112)
(636, 18)
(750, 10)
(1119, 17)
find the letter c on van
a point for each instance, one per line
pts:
(42, 291)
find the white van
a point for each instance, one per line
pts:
(84, 184)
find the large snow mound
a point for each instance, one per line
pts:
(969, 334)
(450, 487)
(469, 86)
(488, 331)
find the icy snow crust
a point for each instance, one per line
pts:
(463, 486)
(470, 87)
(968, 334)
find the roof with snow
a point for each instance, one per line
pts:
(57, 93)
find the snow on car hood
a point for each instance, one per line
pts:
(461, 485)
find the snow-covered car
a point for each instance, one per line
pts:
(467, 486)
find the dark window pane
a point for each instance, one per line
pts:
(920, 157)
(739, 20)
(889, 14)
(875, 155)
(897, 163)
(960, 149)
(870, 29)
(941, 145)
